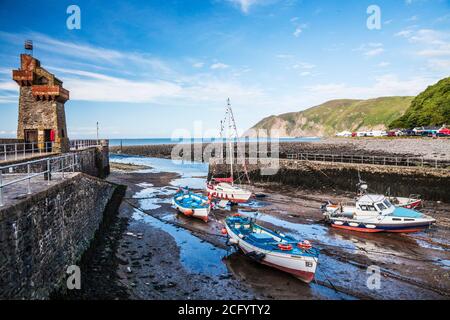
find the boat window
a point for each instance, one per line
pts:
(363, 207)
(371, 208)
(387, 203)
(381, 206)
(396, 219)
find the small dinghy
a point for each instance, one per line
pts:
(272, 248)
(412, 202)
(192, 204)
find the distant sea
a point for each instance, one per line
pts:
(153, 141)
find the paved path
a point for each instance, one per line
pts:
(15, 192)
(22, 156)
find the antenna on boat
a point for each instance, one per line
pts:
(361, 185)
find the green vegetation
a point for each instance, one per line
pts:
(338, 115)
(431, 107)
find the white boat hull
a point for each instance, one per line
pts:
(225, 191)
(201, 213)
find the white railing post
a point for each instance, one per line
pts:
(4, 149)
(15, 149)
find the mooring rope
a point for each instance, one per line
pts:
(172, 222)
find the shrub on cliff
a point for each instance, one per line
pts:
(431, 107)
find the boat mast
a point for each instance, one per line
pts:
(229, 138)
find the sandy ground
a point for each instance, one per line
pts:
(152, 252)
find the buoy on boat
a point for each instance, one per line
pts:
(304, 244)
(285, 247)
(224, 231)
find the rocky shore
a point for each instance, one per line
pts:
(435, 149)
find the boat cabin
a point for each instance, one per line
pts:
(374, 204)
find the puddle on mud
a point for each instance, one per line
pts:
(149, 198)
(191, 183)
(196, 255)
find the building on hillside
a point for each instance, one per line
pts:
(42, 116)
(344, 134)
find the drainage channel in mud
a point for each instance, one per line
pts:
(196, 255)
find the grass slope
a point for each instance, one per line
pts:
(338, 115)
(431, 107)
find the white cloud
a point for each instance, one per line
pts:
(371, 49)
(284, 56)
(98, 87)
(297, 32)
(219, 65)
(385, 85)
(374, 52)
(412, 19)
(440, 65)
(9, 86)
(88, 52)
(245, 4)
(305, 73)
(383, 64)
(433, 43)
(303, 65)
(198, 64)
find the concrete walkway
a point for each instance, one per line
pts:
(22, 156)
(15, 192)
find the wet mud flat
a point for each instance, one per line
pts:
(159, 254)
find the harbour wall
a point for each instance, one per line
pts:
(45, 233)
(431, 184)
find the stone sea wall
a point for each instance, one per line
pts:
(431, 184)
(47, 232)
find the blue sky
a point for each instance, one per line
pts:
(145, 69)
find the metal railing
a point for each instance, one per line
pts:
(25, 171)
(366, 159)
(83, 144)
(15, 151)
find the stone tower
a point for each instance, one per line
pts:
(41, 106)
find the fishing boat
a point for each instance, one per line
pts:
(226, 189)
(272, 248)
(375, 213)
(192, 204)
